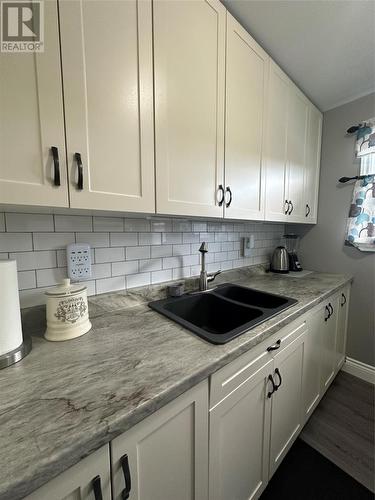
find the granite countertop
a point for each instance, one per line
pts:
(66, 399)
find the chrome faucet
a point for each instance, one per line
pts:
(205, 277)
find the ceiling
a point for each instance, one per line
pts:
(326, 46)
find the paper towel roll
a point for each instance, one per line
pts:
(10, 314)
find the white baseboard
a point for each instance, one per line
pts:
(360, 370)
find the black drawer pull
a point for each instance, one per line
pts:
(286, 209)
(56, 166)
(277, 372)
(221, 189)
(128, 482)
(308, 210)
(291, 207)
(228, 190)
(274, 387)
(97, 487)
(329, 313)
(331, 309)
(78, 159)
(344, 297)
(275, 346)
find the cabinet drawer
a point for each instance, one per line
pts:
(228, 378)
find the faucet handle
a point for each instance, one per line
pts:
(203, 248)
(212, 276)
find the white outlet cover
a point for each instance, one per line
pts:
(78, 257)
(248, 244)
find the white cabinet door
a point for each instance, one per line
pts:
(239, 440)
(246, 89)
(276, 145)
(166, 455)
(312, 362)
(298, 107)
(312, 167)
(329, 331)
(286, 401)
(80, 481)
(107, 69)
(189, 66)
(32, 122)
(342, 326)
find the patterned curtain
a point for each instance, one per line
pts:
(361, 220)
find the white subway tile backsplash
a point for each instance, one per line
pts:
(160, 276)
(161, 251)
(109, 255)
(125, 267)
(28, 222)
(135, 280)
(174, 238)
(123, 239)
(34, 260)
(135, 253)
(52, 241)
(15, 242)
(95, 240)
(149, 238)
(65, 223)
(126, 252)
(110, 284)
(26, 280)
(110, 224)
(137, 225)
(49, 277)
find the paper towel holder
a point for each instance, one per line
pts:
(9, 358)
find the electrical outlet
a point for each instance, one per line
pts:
(79, 261)
(248, 244)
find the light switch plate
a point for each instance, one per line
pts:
(248, 244)
(79, 261)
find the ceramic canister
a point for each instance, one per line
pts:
(67, 312)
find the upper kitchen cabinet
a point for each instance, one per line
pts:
(32, 123)
(189, 66)
(312, 167)
(276, 145)
(292, 152)
(298, 109)
(108, 91)
(247, 68)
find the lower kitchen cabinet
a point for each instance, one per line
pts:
(328, 342)
(286, 420)
(342, 326)
(165, 457)
(90, 479)
(239, 439)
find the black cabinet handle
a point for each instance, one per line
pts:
(331, 309)
(78, 159)
(97, 487)
(274, 388)
(344, 297)
(275, 346)
(329, 314)
(286, 210)
(126, 471)
(221, 201)
(228, 190)
(308, 210)
(56, 166)
(277, 372)
(291, 208)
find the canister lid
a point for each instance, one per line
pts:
(66, 288)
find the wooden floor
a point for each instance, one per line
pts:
(342, 427)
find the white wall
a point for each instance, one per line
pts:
(322, 247)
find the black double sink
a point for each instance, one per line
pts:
(221, 314)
